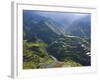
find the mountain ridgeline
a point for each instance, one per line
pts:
(80, 28)
(47, 44)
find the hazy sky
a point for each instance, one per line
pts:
(62, 16)
(65, 18)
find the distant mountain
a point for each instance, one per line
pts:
(44, 28)
(29, 15)
(34, 24)
(80, 28)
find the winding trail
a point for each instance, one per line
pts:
(55, 64)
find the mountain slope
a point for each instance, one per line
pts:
(34, 27)
(70, 48)
(47, 43)
(80, 28)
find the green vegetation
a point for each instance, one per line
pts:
(34, 53)
(70, 63)
(68, 49)
(71, 48)
(48, 44)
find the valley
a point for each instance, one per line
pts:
(47, 44)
